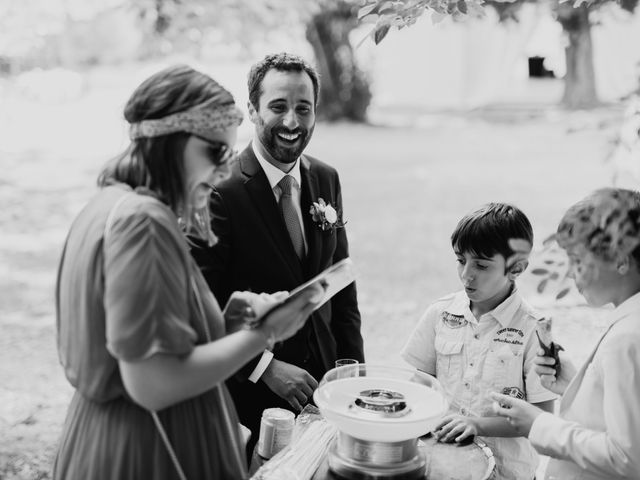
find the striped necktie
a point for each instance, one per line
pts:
(290, 215)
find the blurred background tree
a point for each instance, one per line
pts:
(73, 33)
(345, 92)
(576, 20)
(76, 33)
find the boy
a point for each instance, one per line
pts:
(597, 432)
(482, 339)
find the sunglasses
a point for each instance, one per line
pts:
(221, 154)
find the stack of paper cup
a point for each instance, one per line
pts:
(276, 428)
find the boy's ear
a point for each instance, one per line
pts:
(517, 268)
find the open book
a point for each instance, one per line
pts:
(333, 279)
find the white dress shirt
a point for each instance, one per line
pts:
(596, 434)
(274, 175)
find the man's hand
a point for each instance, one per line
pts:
(545, 368)
(292, 383)
(455, 428)
(519, 413)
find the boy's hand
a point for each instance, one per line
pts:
(519, 413)
(455, 428)
(545, 368)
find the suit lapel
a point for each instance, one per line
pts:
(259, 189)
(309, 194)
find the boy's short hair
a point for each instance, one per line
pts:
(489, 230)
(606, 223)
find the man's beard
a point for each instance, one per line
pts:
(283, 153)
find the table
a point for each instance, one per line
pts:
(445, 461)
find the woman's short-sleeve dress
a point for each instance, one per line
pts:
(128, 296)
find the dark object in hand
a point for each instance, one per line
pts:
(552, 350)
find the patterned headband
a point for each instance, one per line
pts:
(200, 120)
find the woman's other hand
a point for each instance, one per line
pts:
(544, 367)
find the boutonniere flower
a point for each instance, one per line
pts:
(325, 215)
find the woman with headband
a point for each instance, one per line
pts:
(140, 336)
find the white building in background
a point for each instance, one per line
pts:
(463, 65)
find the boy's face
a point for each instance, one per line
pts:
(595, 279)
(484, 278)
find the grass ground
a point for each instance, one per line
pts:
(405, 186)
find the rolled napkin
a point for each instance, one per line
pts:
(545, 339)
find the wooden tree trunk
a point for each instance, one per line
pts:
(344, 89)
(579, 81)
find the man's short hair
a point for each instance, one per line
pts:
(283, 62)
(606, 223)
(489, 231)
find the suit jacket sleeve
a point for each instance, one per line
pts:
(345, 317)
(214, 262)
(612, 453)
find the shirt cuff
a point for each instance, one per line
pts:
(262, 365)
(540, 429)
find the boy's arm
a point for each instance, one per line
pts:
(457, 428)
(419, 351)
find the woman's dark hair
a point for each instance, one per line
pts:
(157, 163)
(491, 230)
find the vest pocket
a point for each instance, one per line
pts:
(503, 368)
(449, 357)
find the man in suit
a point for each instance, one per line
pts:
(268, 240)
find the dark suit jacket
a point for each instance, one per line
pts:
(254, 252)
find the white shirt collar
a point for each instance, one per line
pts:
(503, 313)
(274, 174)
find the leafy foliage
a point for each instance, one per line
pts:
(385, 14)
(551, 267)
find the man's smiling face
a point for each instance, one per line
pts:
(285, 117)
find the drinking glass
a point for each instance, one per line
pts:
(347, 367)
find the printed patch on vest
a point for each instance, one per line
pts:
(511, 336)
(453, 321)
